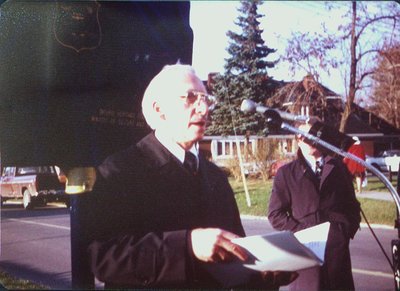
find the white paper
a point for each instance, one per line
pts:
(285, 251)
(315, 238)
(276, 251)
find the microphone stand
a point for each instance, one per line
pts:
(274, 121)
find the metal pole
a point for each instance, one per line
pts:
(398, 180)
(396, 243)
(82, 278)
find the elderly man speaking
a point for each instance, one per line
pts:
(162, 214)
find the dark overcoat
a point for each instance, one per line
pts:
(144, 205)
(300, 200)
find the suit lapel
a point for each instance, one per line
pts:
(302, 171)
(162, 160)
(207, 182)
(328, 167)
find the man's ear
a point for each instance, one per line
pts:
(157, 108)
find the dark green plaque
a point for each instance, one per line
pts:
(72, 75)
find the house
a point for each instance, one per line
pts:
(308, 97)
(375, 134)
(222, 149)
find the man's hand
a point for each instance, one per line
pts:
(214, 245)
(270, 279)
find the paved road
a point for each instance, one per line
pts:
(35, 245)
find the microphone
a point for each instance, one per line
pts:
(318, 130)
(253, 107)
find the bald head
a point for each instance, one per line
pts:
(176, 105)
(167, 84)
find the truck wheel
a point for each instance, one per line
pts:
(27, 200)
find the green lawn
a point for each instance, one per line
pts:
(11, 283)
(374, 184)
(376, 211)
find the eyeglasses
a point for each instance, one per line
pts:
(194, 97)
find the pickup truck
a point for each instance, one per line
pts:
(385, 161)
(34, 185)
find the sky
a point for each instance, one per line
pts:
(210, 20)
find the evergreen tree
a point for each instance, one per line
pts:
(245, 76)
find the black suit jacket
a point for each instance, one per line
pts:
(145, 203)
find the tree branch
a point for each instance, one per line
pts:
(366, 24)
(365, 74)
(368, 52)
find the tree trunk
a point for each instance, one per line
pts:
(353, 71)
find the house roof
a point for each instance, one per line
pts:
(304, 92)
(362, 119)
(356, 125)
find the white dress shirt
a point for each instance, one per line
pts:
(176, 149)
(312, 163)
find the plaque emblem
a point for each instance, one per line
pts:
(77, 25)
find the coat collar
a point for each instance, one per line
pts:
(328, 167)
(153, 150)
(306, 170)
(161, 159)
(173, 147)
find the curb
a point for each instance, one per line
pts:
(384, 196)
(362, 224)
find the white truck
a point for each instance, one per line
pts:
(385, 161)
(34, 185)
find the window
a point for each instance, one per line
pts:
(8, 171)
(35, 170)
(219, 149)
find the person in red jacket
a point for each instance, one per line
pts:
(356, 170)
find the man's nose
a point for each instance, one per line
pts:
(201, 106)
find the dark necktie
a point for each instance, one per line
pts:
(190, 162)
(318, 169)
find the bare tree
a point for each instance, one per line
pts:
(386, 86)
(315, 53)
(307, 51)
(360, 25)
